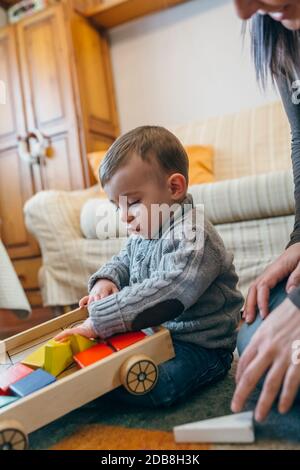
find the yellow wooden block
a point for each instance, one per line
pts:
(80, 343)
(36, 359)
(55, 357)
(58, 356)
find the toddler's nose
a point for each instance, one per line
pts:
(126, 218)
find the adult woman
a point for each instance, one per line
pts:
(271, 346)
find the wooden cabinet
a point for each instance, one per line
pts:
(16, 182)
(27, 271)
(110, 13)
(56, 68)
(48, 97)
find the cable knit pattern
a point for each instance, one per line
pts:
(116, 270)
(200, 276)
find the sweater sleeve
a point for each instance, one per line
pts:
(116, 270)
(183, 275)
(293, 112)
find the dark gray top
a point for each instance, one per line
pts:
(289, 96)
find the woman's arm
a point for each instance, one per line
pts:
(292, 109)
(288, 264)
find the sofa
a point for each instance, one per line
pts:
(251, 204)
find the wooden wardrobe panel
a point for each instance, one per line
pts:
(94, 77)
(48, 92)
(58, 173)
(12, 121)
(95, 143)
(15, 188)
(44, 69)
(28, 271)
(16, 182)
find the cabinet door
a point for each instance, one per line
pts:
(16, 181)
(95, 79)
(48, 96)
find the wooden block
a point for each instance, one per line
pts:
(92, 355)
(236, 428)
(70, 370)
(12, 375)
(80, 343)
(36, 359)
(124, 340)
(4, 401)
(19, 353)
(58, 357)
(33, 382)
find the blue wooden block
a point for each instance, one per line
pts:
(33, 382)
(4, 401)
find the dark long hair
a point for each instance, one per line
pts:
(275, 49)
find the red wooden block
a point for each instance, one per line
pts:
(11, 376)
(92, 355)
(126, 339)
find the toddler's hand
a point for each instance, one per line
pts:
(102, 288)
(86, 329)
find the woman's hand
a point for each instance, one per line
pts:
(102, 288)
(85, 329)
(288, 264)
(274, 350)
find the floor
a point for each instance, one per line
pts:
(85, 425)
(11, 324)
(107, 423)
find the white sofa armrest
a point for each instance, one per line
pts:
(68, 258)
(54, 215)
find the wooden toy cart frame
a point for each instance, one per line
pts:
(135, 367)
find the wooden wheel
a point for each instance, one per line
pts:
(139, 374)
(12, 436)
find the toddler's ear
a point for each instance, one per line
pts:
(177, 186)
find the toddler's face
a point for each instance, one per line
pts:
(135, 188)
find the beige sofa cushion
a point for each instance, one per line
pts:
(248, 142)
(251, 197)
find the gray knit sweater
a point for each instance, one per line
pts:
(188, 287)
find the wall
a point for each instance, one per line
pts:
(183, 64)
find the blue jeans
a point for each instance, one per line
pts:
(191, 368)
(277, 296)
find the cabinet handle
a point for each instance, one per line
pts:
(23, 149)
(34, 148)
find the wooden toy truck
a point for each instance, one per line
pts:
(74, 387)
